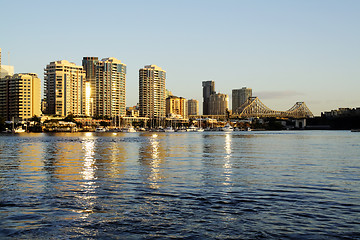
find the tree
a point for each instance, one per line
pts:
(35, 119)
(69, 118)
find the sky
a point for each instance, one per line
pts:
(287, 51)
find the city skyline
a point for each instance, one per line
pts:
(285, 51)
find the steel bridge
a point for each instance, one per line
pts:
(253, 107)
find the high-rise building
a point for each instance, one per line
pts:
(89, 65)
(218, 104)
(208, 90)
(20, 96)
(110, 88)
(64, 88)
(239, 97)
(193, 107)
(176, 107)
(152, 92)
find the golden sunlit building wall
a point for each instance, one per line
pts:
(64, 88)
(152, 92)
(110, 88)
(20, 96)
(176, 107)
(89, 64)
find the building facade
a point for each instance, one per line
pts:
(152, 92)
(110, 88)
(89, 64)
(20, 96)
(176, 107)
(218, 104)
(208, 90)
(239, 97)
(64, 89)
(193, 107)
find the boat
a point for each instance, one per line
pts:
(227, 128)
(159, 129)
(100, 129)
(7, 130)
(169, 129)
(18, 130)
(355, 130)
(192, 128)
(129, 129)
(181, 129)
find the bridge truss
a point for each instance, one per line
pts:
(253, 107)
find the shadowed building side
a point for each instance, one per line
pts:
(193, 107)
(240, 96)
(218, 104)
(208, 90)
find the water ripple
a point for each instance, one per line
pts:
(253, 185)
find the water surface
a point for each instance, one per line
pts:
(211, 185)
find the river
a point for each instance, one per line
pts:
(210, 185)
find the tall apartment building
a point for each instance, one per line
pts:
(176, 107)
(64, 88)
(218, 104)
(152, 92)
(20, 96)
(193, 107)
(208, 90)
(110, 88)
(89, 64)
(239, 97)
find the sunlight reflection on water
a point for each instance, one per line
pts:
(183, 185)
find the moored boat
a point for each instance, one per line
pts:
(100, 129)
(129, 129)
(181, 129)
(18, 130)
(169, 129)
(192, 128)
(227, 128)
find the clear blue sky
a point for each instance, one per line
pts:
(286, 51)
